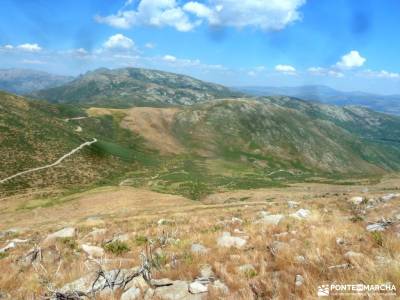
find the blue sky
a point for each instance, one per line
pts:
(347, 44)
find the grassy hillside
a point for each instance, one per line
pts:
(34, 134)
(134, 87)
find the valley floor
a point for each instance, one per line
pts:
(278, 243)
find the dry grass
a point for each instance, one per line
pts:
(136, 212)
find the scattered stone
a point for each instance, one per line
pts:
(356, 200)
(379, 226)
(133, 293)
(93, 251)
(161, 282)
(389, 197)
(235, 220)
(299, 280)
(301, 214)
(111, 281)
(198, 249)
(179, 290)
(68, 232)
(340, 241)
(8, 247)
(292, 204)
(197, 288)
(163, 222)
(121, 238)
(270, 219)
(226, 240)
(300, 259)
(282, 234)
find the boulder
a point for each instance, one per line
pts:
(292, 204)
(357, 200)
(8, 247)
(198, 249)
(299, 280)
(376, 227)
(389, 197)
(196, 288)
(226, 240)
(178, 290)
(133, 293)
(93, 251)
(68, 232)
(270, 219)
(301, 214)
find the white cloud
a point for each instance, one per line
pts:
(8, 47)
(353, 59)
(325, 72)
(29, 47)
(261, 14)
(157, 13)
(286, 69)
(381, 74)
(169, 58)
(119, 41)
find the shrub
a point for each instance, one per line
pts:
(141, 240)
(117, 247)
(377, 237)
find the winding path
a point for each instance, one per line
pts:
(53, 164)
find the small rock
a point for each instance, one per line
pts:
(277, 246)
(270, 219)
(197, 288)
(340, 241)
(299, 280)
(376, 227)
(131, 294)
(226, 240)
(301, 214)
(68, 232)
(93, 251)
(300, 259)
(198, 249)
(121, 238)
(163, 222)
(389, 197)
(263, 214)
(356, 200)
(8, 247)
(96, 233)
(235, 220)
(292, 204)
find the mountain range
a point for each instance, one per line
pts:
(384, 103)
(176, 134)
(24, 81)
(134, 87)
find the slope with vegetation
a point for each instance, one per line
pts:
(134, 87)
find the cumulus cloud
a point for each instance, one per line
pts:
(119, 41)
(29, 47)
(157, 13)
(285, 69)
(260, 14)
(325, 72)
(150, 45)
(351, 60)
(169, 58)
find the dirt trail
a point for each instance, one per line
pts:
(53, 164)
